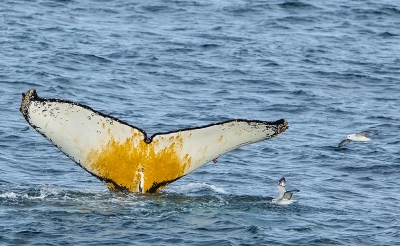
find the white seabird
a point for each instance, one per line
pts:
(285, 196)
(358, 137)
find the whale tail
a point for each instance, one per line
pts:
(123, 156)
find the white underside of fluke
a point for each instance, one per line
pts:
(123, 157)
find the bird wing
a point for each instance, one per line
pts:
(288, 194)
(282, 182)
(281, 190)
(344, 142)
(363, 134)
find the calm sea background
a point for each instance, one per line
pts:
(330, 68)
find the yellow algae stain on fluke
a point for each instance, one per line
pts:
(125, 162)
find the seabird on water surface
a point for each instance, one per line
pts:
(285, 196)
(358, 137)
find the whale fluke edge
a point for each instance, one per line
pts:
(123, 156)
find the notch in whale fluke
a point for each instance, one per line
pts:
(123, 156)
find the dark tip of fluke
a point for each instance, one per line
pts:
(284, 125)
(281, 121)
(26, 99)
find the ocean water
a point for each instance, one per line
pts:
(330, 68)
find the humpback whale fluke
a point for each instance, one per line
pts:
(123, 156)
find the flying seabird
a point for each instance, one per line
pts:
(358, 137)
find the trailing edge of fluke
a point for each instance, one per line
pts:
(123, 156)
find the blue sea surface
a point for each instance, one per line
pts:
(330, 68)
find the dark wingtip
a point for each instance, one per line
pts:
(343, 143)
(282, 180)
